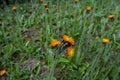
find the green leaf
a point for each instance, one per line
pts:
(63, 60)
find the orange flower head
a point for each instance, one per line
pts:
(68, 39)
(88, 8)
(2, 72)
(0, 22)
(14, 8)
(70, 51)
(111, 16)
(46, 9)
(46, 5)
(41, 0)
(76, 1)
(105, 40)
(55, 43)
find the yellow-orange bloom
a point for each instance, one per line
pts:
(88, 8)
(46, 5)
(0, 22)
(46, 9)
(68, 39)
(14, 8)
(55, 42)
(111, 16)
(41, 0)
(105, 40)
(76, 1)
(70, 51)
(2, 72)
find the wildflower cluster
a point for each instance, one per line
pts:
(46, 7)
(111, 17)
(69, 44)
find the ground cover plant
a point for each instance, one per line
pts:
(60, 40)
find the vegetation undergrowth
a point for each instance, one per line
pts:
(60, 40)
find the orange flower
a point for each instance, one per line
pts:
(105, 40)
(70, 51)
(2, 72)
(88, 8)
(111, 16)
(14, 8)
(68, 39)
(46, 5)
(76, 1)
(41, 0)
(46, 9)
(0, 22)
(55, 42)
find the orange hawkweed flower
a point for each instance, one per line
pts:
(46, 5)
(55, 43)
(76, 1)
(105, 40)
(111, 16)
(46, 9)
(41, 0)
(70, 51)
(2, 72)
(88, 8)
(0, 22)
(68, 39)
(14, 8)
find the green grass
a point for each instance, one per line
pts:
(25, 36)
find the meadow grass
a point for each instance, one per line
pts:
(26, 34)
